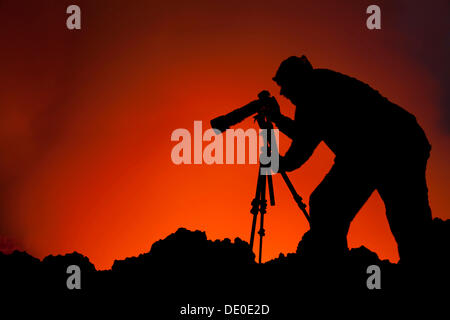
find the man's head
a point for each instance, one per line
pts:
(292, 74)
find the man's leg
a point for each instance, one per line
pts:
(334, 204)
(405, 194)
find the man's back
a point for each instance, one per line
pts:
(354, 120)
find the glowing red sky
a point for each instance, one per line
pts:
(86, 116)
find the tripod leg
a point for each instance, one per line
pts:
(255, 208)
(296, 196)
(261, 235)
(271, 193)
(262, 210)
(252, 235)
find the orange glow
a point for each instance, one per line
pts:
(86, 118)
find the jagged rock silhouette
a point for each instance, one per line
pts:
(192, 250)
(186, 267)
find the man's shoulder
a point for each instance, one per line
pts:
(325, 74)
(341, 82)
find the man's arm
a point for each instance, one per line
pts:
(299, 152)
(304, 139)
(286, 125)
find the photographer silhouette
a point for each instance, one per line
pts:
(377, 144)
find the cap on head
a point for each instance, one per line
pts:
(292, 68)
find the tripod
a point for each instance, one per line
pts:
(259, 203)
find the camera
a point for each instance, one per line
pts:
(238, 115)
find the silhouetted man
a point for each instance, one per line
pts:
(378, 146)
